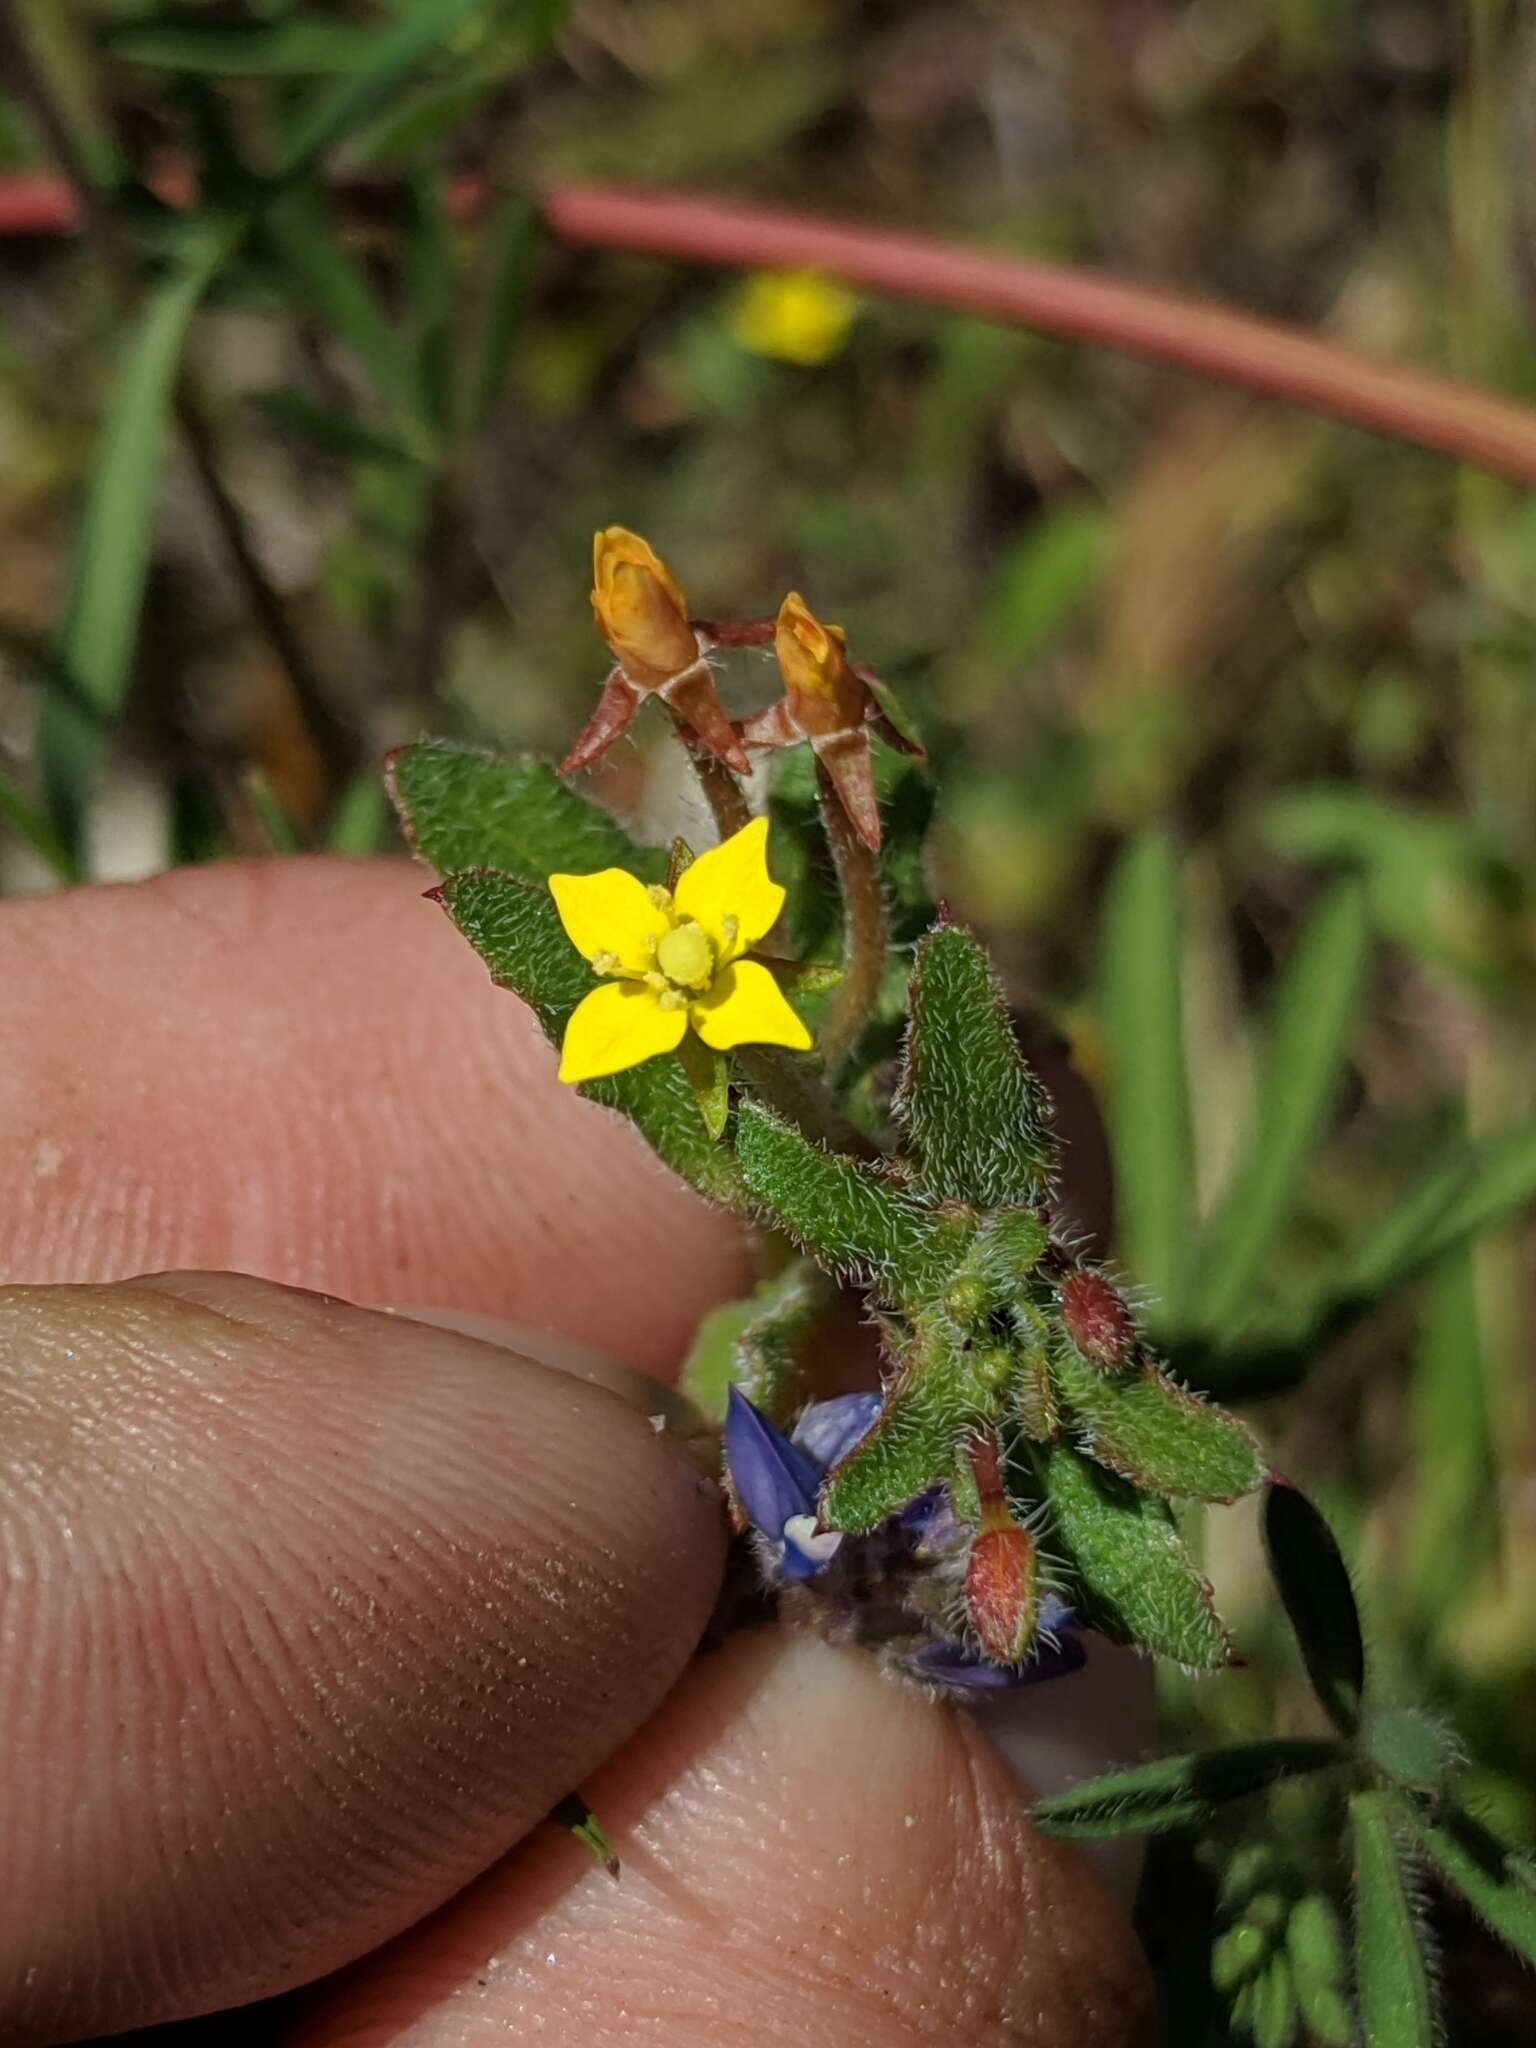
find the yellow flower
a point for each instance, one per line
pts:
(641, 612)
(675, 960)
(799, 316)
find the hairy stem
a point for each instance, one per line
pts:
(1458, 419)
(722, 792)
(800, 1099)
(864, 927)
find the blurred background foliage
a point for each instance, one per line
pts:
(311, 466)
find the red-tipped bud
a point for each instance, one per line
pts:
(1002, 1573)
(1097, 1320)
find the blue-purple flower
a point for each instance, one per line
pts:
(896, 1589)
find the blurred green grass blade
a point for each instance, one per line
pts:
(307, 239)
(292, 47)
(328, 430)
(1315, 1008)
(1393, 1982)
(394, 56)
(1497, 1882)
(37, 832)
(430, 281)
(361, 819)
(1448, 1537)
(1143, 1013)
(1481, 1187)
(513, 240)
(1313, 1582)
(96, 638)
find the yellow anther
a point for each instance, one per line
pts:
(605, 963)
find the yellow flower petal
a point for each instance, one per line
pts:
(731, 881)
(610, 913)
(746, 1006)
(618, 1026)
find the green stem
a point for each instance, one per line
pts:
(864, 927)
(787, 1087)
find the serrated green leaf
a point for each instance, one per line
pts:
(1156, 1434)
(96, 640)
(975, 1112)
(464, 809)
(853, 1220)
(291, 47)
(1149, 1118)
(1497, 1882)
(1393, 1980)
(516, 930)
(1178, 1791)
(915, 1442)
(758, 1344)
(393, 56)
(1315, 1009)
(1133, 1579)
(1314, 1584)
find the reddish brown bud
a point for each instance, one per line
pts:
(1096, 1319)
(1002, 1588)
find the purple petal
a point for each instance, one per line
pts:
(828, 1430)
(774, 1479)
(950, 1664)
(1055, 1615)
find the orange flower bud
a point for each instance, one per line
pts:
(640, 610)
(825, 695)
(1002, 1573)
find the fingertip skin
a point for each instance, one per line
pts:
(809, 1855)
(306, 1615)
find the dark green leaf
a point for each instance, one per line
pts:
(291, 47)
(1149, 1095)
(394, 56)
(95, 646)
(915, 1443)
(853, 1220)
(1497, 1882)
(1177, 1791)
(1156, 1434)
(1314, 1584)
(1314, 1015)
(1133, 1579)
(463, 809)
(1393, 1979)
(514, 927)
(975, 1111)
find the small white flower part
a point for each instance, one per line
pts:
(800, 1535)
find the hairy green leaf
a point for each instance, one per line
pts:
(915, 1442)
(464, 809)
(1497, 1882)
(1314, 1584)
(1156, 1434)
(851, 1218)
(1177, 1791)
(1393, 1980)
(1134, 1580)
(1149, 1092)
(977, 1117)
(1315, 1009)
(515, 928)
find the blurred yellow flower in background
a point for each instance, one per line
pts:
(796, 316)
